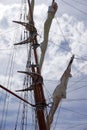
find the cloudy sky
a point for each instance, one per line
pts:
(68, 35)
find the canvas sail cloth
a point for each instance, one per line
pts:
(51, 13)
(59, 92)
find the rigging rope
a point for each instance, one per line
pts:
(10, 83)
(16, 123)
(23, 36)
(76, 112)
(62, 33)
(54, 128)
(24, 111)
(69, 128)
(81, 11)
(80, 2)
(76, 56)
(5, 106)
(70, 91)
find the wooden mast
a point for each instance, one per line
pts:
(53, 1)
(38, 89)
(40, 102)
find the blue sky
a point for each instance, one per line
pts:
(68, 35)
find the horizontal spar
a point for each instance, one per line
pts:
(17, 96)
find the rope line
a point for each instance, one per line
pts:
(81, 11)
(78, 113)
(80, 2)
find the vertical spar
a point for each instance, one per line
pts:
(30, 11)
(38, 89)
(35, 74)
(53, 1)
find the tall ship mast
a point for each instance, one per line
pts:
(33, 70)
(43, 111)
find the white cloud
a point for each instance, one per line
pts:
(57, 56)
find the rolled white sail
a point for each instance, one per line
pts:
(51, 13)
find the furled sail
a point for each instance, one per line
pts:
(60, 92)
(51, 13)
